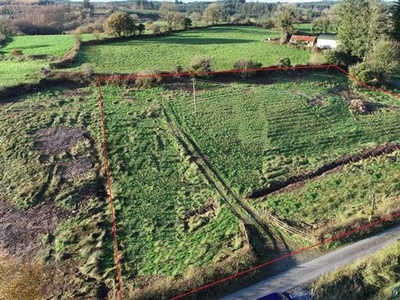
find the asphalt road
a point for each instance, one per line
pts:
(305, 273)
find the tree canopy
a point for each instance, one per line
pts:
(362, 22)
(120, 24)
(214, 12)
(395, 30)
(285, 17)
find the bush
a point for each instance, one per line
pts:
(358, 106)
(247, 66)
(201, 64)
(363, 73)
(337, 57)
(16, 52)
(316, 59)
(120, 24)
(284, 62)
(42, 20)
(148, 79)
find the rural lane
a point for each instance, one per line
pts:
(309, 271)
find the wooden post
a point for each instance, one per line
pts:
(194, 94)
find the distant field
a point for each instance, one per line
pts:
(55, 45)
(13, 73)
(224, 45)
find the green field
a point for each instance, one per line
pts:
(37, 52)
(224, 45)
(255, 135)
(55, 45)
(50, 160)
(17, 70)
(156, 184)
(13, 73)
(340, 197)
(180, 178)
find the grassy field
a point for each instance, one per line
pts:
(176, 231)
(160, 194)
(16, 70)
(224, 45)
(342, 196)
(373, 278)
(13, 72)
(258, 134)
(50, 161)
(55, 45)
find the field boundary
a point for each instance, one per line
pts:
(105, 79)
(114, 227)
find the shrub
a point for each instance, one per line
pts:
(20, 279)
(358, 106)
(284, 62)
(16, 52)
(363, 73)
(316, 59)
(148, 79)
(120, 24)
(337, 57)
(247, 66)
(200, 64)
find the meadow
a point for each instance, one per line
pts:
(171, 218)
(176, 230)
(225, 45)
(257, 134)
(37, 52)
(51, 189)
(55, 45)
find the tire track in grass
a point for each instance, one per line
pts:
(262, 233)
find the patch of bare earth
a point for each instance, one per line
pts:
(57, 140)
(77, 168)
(21, 230)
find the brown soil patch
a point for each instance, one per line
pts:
(21, 230)
(57, 140)
(77, 168)
(300, 180)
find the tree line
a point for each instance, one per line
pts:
(368, 30)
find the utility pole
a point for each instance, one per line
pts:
(194, 94)
(372, 206)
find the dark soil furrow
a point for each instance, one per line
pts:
(276, 186)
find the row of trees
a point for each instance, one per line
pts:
(368, 35)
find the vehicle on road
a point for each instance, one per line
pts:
(277, 296)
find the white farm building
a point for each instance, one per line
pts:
(327, 41)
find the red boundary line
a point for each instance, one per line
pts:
(288, 255)
(114, 227)
(188, 74)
